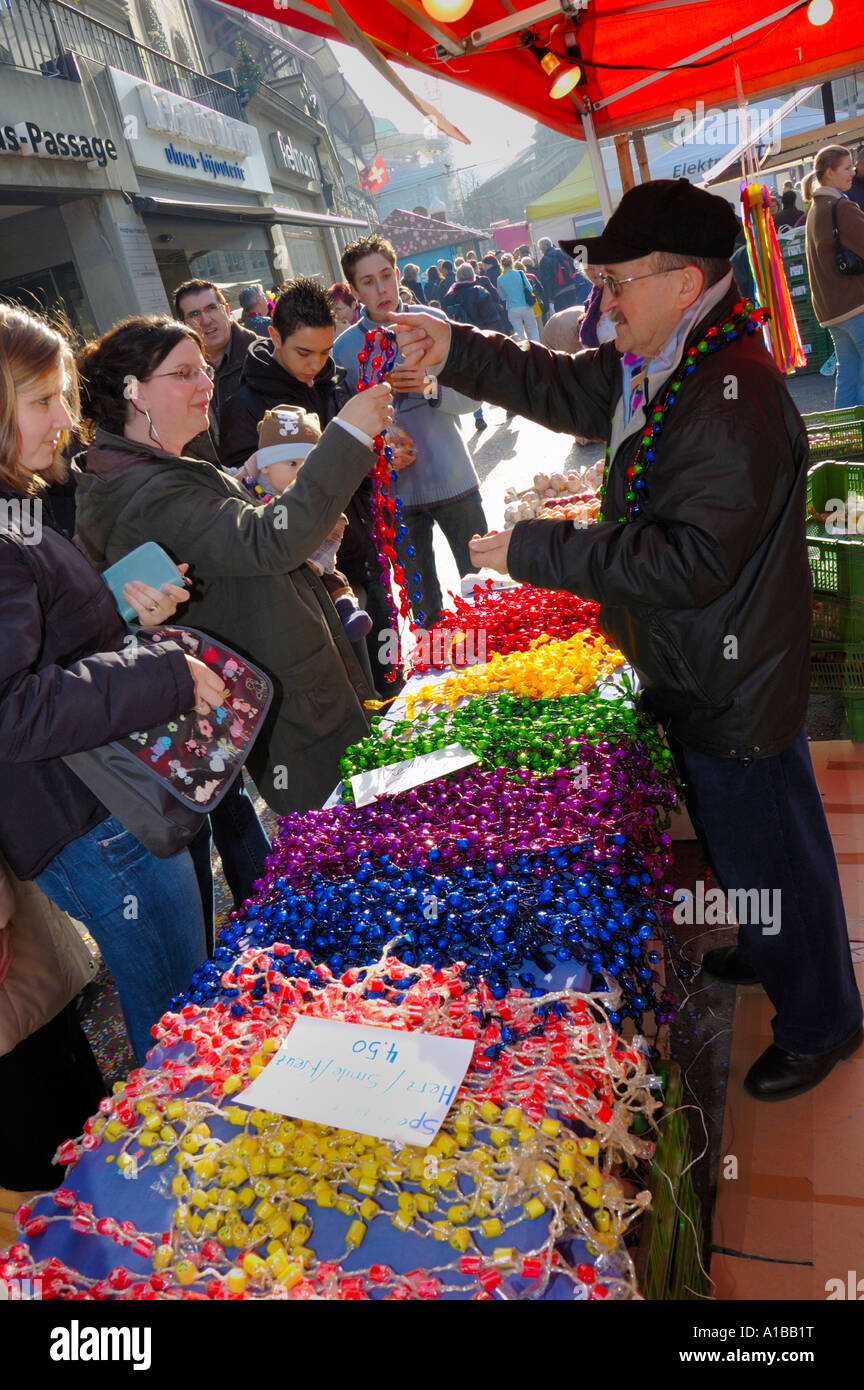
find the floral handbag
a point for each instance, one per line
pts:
(160, 783)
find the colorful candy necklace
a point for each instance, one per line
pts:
(375, 362)
(745, 318)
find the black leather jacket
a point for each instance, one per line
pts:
(708, 592)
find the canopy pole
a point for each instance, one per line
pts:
(642, 157)
(597, 169)
(625, 163)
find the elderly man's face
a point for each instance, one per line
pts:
(648, 309)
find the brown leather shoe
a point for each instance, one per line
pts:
(780, 1075)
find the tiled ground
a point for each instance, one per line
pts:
(794, 1216)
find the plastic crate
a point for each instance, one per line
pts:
(829, 481)
(836, 434)
(837, 620)
(837, 566)
(667, 1261)
(855, 716)
(838, 670)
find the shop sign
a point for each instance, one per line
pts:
(28, 138)
(166, 133)
(171, 115)
(287, 156)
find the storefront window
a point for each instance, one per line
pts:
(55, 292)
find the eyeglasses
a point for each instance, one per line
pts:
(185, 374)
(614, 286)
(194, 314)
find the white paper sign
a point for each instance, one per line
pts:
(377, 1081)
(400, 777)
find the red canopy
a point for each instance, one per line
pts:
(626, 51)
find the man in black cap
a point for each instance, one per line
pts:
(700, 566)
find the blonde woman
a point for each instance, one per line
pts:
(68, 682)
(838, 300)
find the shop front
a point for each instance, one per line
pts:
(63, 166)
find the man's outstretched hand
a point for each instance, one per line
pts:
(490, 551)
(424, 340)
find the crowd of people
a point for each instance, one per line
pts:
(161, 430)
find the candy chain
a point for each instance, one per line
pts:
(523, 1153)
(375, 361)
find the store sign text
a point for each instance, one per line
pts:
(27, 138)
(167, 114)
(219, 168)
(287, 157)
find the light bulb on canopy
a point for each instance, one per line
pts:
(447, 11)
(563, 78)
(819, 11)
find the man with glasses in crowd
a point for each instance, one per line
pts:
(204, 307)
(700, 567)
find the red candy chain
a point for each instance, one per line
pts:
(373, 368)
(503, 621)
(579, 1067)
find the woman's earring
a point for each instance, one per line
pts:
(153, 435)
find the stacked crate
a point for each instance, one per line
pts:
(835, 547)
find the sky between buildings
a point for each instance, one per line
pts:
(497, 132)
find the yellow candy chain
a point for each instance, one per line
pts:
(548, 667)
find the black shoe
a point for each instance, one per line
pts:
(725, 964)
(779, 1075)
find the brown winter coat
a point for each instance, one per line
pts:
(836, 297)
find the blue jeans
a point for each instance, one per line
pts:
(459, 520)
(849, 346)
(144, 913)
(242, 846)
(763, 826)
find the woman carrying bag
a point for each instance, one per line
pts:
(835, 233)
(69, 681)
(252, 589)
(519, 300)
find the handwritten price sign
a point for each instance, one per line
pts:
(377, 1081)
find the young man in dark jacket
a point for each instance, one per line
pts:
(204, 307)
(700, 567)
(296, 368)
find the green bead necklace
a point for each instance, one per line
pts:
(746, 318)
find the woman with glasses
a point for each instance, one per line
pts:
(145, 391)
(68, 682)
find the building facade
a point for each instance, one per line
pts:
(132, 157)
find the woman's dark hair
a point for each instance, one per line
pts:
(303, 303)
(133, 347)
(491, 259)
(432, 275)
(448, 267)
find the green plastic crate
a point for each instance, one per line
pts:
(836, 434)
(667, 1260)
(828, 481)
(837, 566)
(855, 716)
(837, 620)
(838, 670)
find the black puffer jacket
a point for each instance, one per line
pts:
(264, 384)
(708, 592)
(67, 683)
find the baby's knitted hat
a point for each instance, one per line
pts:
(286, 433)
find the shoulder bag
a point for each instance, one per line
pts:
(162, 782)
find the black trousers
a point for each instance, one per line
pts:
(49, 1085)
(762, 826)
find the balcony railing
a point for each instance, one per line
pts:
(36, 35)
